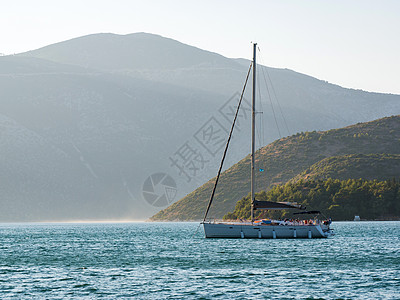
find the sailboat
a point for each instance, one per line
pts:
(264, 228)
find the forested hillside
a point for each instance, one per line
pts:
(339, 199)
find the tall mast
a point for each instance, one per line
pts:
(253, 133)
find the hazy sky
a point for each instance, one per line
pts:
(353, 43)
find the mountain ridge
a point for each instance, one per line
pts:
(128, 51)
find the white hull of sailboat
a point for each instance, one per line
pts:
(249, 231)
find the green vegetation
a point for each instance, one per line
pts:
(339, 199)
(354, 166)
(366, 150)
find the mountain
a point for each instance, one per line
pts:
(79, 145)
(137, 51)
(148, 56)
(112, 126)
(298, 154)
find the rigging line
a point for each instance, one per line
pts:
(263, 130)
(276, 98)
(259, 129)
(227, 144)
(196, 231)
(261, 137)
(279, 105)
(270, 100)
(269, 95)
(262, 118)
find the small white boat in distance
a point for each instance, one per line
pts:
(357, 218)
(263, 229)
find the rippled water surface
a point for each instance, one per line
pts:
(164, 260)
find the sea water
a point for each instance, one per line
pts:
(174, 261)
